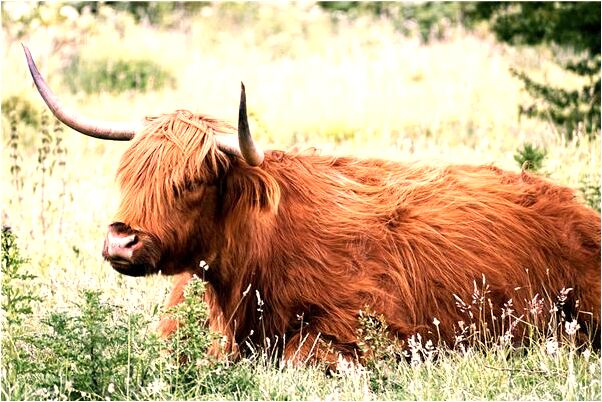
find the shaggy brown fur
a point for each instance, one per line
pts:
(323, 237)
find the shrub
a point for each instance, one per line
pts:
(106, 74)
(161, 13)
(89, 353)
(96, 352)
(17, 108)
(429, 19)
(373, 338)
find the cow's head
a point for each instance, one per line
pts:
(169, 179)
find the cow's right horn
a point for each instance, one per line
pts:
(93, 128)
(252, 153)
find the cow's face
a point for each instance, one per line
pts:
(169, 179)
(171, 242)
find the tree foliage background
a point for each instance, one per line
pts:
(566, 26)
(570, 29)
(572, 25)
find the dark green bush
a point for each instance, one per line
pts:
(20, 109)
(570, 25)
(108, 75)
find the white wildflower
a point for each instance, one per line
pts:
(551, 346)
(586, 354)
(41, 392)
(68, 386)
(593, 367)
(415, 346)
(203, 265)
(344, 366)
(111, 388)
(156, 386)
(506, 338)
(436, 322)
(535, 306)
(571, 327)
(507, 310)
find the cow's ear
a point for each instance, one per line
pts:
(250, 190)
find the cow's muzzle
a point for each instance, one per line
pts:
(129, 251)
(121, 247)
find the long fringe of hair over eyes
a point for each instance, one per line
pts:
(170, 155)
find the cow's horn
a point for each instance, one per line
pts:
(93, 128)
(252, 153)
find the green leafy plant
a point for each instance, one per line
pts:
(95, 352)
(530, 157)
(590, 189)
(18, 297)
(191, 367)
(373, 338)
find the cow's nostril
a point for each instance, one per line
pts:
(121, 247)
(131, 241)
(122, 242)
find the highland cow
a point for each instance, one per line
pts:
(297, 244)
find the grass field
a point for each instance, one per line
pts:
(348, 87)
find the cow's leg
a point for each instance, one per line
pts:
(225, 346)
(168, 325)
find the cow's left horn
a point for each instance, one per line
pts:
(252, 153)
(93, 128)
